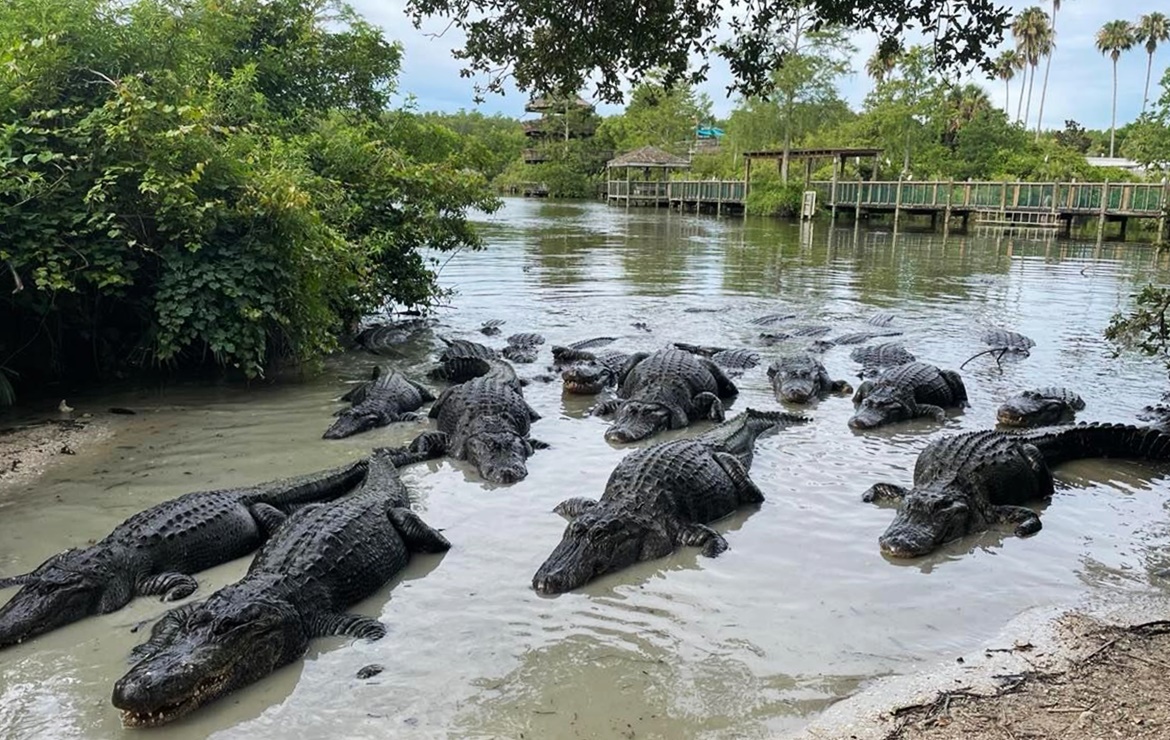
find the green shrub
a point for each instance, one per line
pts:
(772, 198)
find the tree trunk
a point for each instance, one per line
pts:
(906, 156)
(1007, 96)
(1146, 94)
(1044, 87)
(1113, 120)
(1028, 107)
(1020, 102)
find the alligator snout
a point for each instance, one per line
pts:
(797, 391)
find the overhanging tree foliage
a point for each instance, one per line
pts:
(187, 181)
(561, 44)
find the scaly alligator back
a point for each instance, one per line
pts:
(1100, 440)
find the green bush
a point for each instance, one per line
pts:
(209, 181)
(772, 198)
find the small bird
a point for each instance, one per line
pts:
(64, 408)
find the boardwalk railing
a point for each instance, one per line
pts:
(1126, 198)
(691, 191)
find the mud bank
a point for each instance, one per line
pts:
(28, 449)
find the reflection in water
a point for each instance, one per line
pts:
(800, 611)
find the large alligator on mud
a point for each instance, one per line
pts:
(970, 482)
(665, 390)
(658, 498)
(907, 391)
(323, 560)
(486, 421)
(388, 398)
(1040, 407)
(801, 378)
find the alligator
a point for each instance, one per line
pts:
(772, 318)
(730, 359)
(591, 372)
(593, 343)
(491, 327)
(380, 337)
(665, 390)
(907, 392)
(523, 347)
(658, 498)
(463, 348)
(1158, 414)
(390, 397)
(463, 369)
(1041, 407)
(1008, 341)
(357, 394)
(862, 336)
(486, 422)
(970, 482)
(800, 378)
(154, 552)
(877, 357)
(641, 326)
(324, 559)
(880, 319)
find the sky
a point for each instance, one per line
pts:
(1079, 86)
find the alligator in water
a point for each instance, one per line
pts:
(154, 552)
(388, 398)
(1041, 407)
(523, 347)
(907, 392)
(861, 336)
(665, 390)
(491, 327)
(323, 560)
(658, 498)
(800, 378)
(772, 318)
(463, 369)
(877, 357)
(970, 482)
(456, 348)
(880, 319)
(1007, 341)
(486, 421)
(590, 372)
(727, 358)
(379, 338)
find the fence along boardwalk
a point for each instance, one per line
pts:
(1005, 202)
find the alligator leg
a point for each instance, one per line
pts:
(958, 390)
(425, 446)
(700, 535)
(605, 408)
(862, 391)
(536, 444)
(572, 508)
(417, 534)
(1025, 520)
(269, 517)
(879, 492)
(171, 586)
(747, 490)
(936, 412)
(405, 416)
(346, 625)
(709, 405)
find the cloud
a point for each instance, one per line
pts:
(1079, 87)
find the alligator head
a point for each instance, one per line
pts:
(64, 589)
(1032, 409)
(639, 420)
(880, 408)
(925, 520)
(587, 377)
(353, 421)
(599, 542)
(500, 457)
(796, 384)
(204, 651)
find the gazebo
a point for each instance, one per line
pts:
(648, 190)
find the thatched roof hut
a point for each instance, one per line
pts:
(648, 157)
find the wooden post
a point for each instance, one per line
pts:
(747, 177)
(857, 208)
(629, 193)
(1101, 215)
(947, 214)
(898, 202)
(838, 163)
(807, 171)
(1016, 197)
(1164, 205)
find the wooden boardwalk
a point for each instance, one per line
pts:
(1014, 205)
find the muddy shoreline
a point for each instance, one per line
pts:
(30, 447)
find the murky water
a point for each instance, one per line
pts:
(801, 611)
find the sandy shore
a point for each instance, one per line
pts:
(28, 449)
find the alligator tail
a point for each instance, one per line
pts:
(739, 433)
(461, 369)
(324, 485)
(1102, 440)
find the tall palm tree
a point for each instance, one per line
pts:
(1047, 67)
(1151, 30)
(1007, 64)
(1033, 34)
(1113, 38)
(882, 62)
